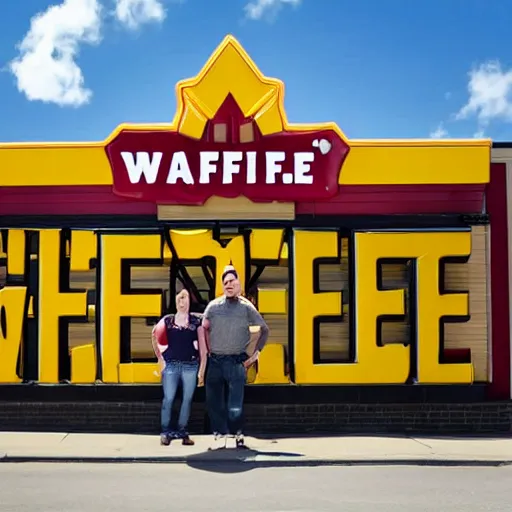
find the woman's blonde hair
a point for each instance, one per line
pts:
(182, 292)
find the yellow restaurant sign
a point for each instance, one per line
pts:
(230, 70)
(376, 364)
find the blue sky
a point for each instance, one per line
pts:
(394, 69)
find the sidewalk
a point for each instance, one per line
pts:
(339, 450)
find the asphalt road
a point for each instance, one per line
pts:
(180, 488)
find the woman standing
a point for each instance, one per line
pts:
(179, 344)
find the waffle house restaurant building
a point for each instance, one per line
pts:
(381, 266)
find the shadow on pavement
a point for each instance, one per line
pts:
(231, 460)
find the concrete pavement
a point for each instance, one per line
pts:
(339, 450)
(247, 488)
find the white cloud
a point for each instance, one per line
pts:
(439, 132)
(134, 13)
(45, 68)
(259, 8)
(490, 94)
(479, 134)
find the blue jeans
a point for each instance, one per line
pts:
(226, 415)
(174, 373)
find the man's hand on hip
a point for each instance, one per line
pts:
(249, 362)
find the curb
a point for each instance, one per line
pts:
(17, 459)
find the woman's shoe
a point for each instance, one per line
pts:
(187, 441)
(185, 438)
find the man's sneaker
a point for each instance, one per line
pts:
(240, 442)
(165, 439)
(219, 442)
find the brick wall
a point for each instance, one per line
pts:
(143, 417)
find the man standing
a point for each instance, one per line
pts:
(226, 321)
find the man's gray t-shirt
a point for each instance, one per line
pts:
(230, 320)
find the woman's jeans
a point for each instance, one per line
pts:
(174, 373)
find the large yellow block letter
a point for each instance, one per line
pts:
(12, 309)
(386, 364)
(426, 250)
(266, 246)
(116, 303)
(53, 304)
(308, 247)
